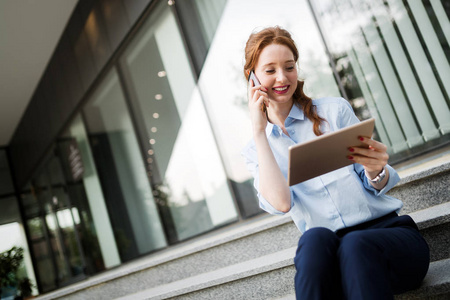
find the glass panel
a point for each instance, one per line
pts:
(49, 243)
(41, 249)
(209, 13)
(442, 18)
(12, 235)
(55, 237)
(183, 161)
(87, 197)
(65, 220)
(130, 202)
(224, 88)
(42, 254)
(53, 228)
(60, 221)
(397, 61)
(198, 19)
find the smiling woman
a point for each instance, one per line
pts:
(273, 55)
(338, 256)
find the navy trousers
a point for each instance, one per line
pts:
(373, 260)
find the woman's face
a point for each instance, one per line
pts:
(277, 71)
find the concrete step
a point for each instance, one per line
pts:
(229, 246)
(254, 279)
(423, 189)
(269, 277)
(436, 285)
(233, 246)
(249, 248)
(434, 224)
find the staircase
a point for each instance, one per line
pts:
(254, 259)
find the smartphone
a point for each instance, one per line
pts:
(253, 77)
(256, 82)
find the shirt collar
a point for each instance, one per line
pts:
(295, 113)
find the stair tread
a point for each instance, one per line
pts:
(252, 267)
(436, 282)
(433, 171)
(425, 218)
(432, 216)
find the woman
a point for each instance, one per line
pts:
(354, 245)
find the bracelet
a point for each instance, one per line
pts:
(379, 177)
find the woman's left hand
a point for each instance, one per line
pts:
(372, 159)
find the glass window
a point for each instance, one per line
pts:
(184, 165)
(62, 234)
(53, 226)
(199, 20)
(45, 253)
(129, 199)
(12, 235)
(208, 13)
(87, 197)
(393, 58)
(224, 88)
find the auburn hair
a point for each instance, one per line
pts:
(277, 35)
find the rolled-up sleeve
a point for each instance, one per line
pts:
(392, 181)
(250, 155)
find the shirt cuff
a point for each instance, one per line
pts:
(392, 181)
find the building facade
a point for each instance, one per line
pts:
(131, 143)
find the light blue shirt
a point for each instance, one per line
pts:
(335, 200)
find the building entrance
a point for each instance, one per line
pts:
(58, 234)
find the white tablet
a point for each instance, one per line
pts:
(327, 152)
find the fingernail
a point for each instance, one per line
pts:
(361, 139)
(350, 157)
(351, 149)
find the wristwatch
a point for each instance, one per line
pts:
(379, 177)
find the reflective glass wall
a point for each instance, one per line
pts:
(128, 197)
(183, 163)
(84, 188)
(60, 238)
(393, 58)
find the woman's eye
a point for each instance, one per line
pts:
(290, 68)
(270, 71)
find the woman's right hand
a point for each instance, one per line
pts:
(257, 98)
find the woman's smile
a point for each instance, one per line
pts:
(281, 89)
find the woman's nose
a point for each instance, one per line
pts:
(281, 76)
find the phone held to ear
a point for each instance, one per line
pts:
(256, 82)
(252, 76)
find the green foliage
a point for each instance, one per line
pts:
(10, 262)
(25, 287)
